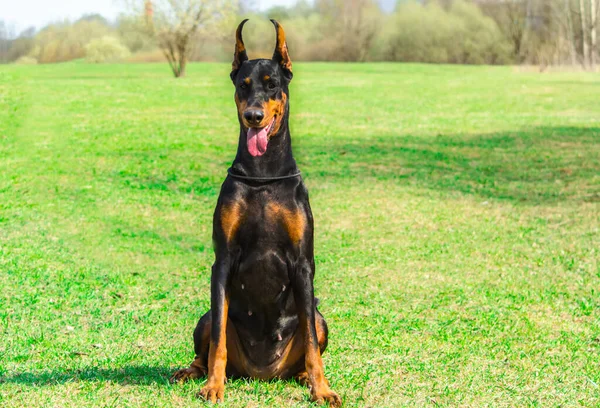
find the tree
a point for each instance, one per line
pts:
(570, 31)
(515, 12)
(584, 42)
(7, 35)
(134, 34)
(175, 24)
(350, 27)
(511, 17)
(593, 23)
(547, 31)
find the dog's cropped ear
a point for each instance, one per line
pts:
(240, 54)
(281, 54)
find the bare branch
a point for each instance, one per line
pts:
(176, 23)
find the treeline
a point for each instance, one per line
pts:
(91, 37)
(543, 32)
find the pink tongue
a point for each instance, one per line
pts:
(257, 141)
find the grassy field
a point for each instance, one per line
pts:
(457, 238)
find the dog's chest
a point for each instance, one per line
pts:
(259, 219)
(269, 232)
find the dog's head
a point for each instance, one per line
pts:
(261, 90)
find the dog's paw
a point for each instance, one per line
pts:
(187, 374)
(303, 379)
(327, 396)
(212, 393)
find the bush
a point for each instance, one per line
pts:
(348, 29)
(417, 34)
(460, 35)
(65, 41)
(481, 38)
(26, 60)
(106, 49)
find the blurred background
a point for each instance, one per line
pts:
(532, 32)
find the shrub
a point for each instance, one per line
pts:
(26, 60)
(66, 41)
(461, 35)
(106, 49)
(481, 39)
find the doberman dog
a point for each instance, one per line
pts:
(263, 322)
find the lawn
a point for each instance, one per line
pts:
(457, 216)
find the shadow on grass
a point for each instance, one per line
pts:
(128, 375)
(532, 166)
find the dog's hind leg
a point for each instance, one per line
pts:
(322, 336)
(199, 366)
(302, 285)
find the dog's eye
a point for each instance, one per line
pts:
(272, 85)
(243, 86)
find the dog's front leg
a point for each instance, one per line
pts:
(302, 285)
(217, 356)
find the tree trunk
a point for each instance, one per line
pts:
(583, 34)
(593, 21)
(571, 39)
(182, 66)
(529, 14)
(182, 54)
(170, 56)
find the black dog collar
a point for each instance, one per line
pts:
(239, 176)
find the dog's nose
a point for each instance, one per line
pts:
(254, 116)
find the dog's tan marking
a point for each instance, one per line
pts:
(247, 80)
(231, 217)
(266, 77)
(217, 361)
(293, 221)
(319, 386)
(274, 108)
(239, 46)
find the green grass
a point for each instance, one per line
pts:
(457, 238)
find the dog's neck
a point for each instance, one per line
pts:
(277, 161)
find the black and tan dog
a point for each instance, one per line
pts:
(263, 321)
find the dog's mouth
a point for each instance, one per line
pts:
(258, 138)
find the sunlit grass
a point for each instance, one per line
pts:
(457, 229)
